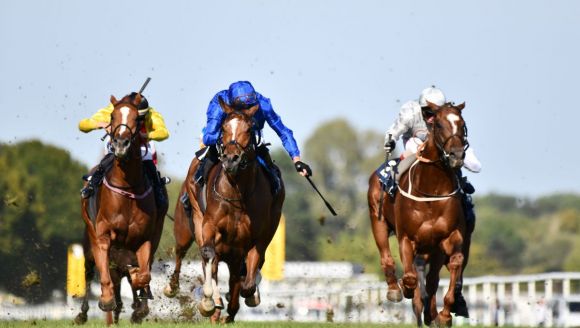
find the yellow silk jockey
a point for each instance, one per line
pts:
(153, 129)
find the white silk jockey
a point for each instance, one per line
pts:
(412, 127)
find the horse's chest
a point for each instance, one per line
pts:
(433, 231)
(235, 229)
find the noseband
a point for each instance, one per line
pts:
(243, 152)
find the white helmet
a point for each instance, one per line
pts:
(433, 95)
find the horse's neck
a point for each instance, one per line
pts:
(127, 173)
(433, 173)
(245, 181)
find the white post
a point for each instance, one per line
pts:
(500, 297)
(515, 300)
(566, 287)
(487, 297)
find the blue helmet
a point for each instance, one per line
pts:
(242, 95)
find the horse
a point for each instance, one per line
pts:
(239, 221)
(127, 215)
(426, 215)
(121, 261)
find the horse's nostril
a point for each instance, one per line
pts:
(235, 158)
(126, 143)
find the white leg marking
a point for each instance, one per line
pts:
(452, 118)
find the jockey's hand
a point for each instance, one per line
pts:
(302, 168)
(389, 145)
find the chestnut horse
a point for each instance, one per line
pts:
(426, 215)
(127, 216)
(238, 222)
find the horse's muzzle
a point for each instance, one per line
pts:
(231, 162)
(120, 146)
(456, 159)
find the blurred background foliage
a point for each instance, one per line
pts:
(40, 214)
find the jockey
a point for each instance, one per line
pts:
(153, 129)
(413, 128)
(241, 95)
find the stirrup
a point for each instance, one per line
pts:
(87, 192)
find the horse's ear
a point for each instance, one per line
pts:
(460, 106)
(225, 107)
(252, 110)
(114, 100)
(137, 100)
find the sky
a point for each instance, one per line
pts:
(514, 63)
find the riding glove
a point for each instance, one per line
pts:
(303, 166)
(389, 145)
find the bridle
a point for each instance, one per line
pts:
(441, 146)
(244, 151)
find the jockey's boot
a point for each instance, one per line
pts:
(208, 157)
(459, 307)
(272, 170)
(157, 181)
(95, 179)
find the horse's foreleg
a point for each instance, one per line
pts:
(100, 248)
(409, 281)
(452, 247)
(207, 306)
(141, 277)
(234, 292)
(253, 258)
(381, 234)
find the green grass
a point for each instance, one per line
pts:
(125, 323)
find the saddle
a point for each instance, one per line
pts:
(390, 172)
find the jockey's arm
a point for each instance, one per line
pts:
(275, 122)
(156, 129)
(215, 117)
(402, 124)
(99, 120)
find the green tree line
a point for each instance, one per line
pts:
(40, 215)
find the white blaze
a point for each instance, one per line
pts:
(453, 118)
(125, 112)
(234, 124)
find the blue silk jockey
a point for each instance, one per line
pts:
(241, 96)
(412, 127)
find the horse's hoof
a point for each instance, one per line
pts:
(227, 319)
(248, 292)
(170, 292)
(107, 306)
(441, 321)
(459, 307)
(408, 284)
(253, 300)
(80, 319)
(394, 295)
(219, 303)
(206, 307)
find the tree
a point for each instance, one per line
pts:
(39, 216)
